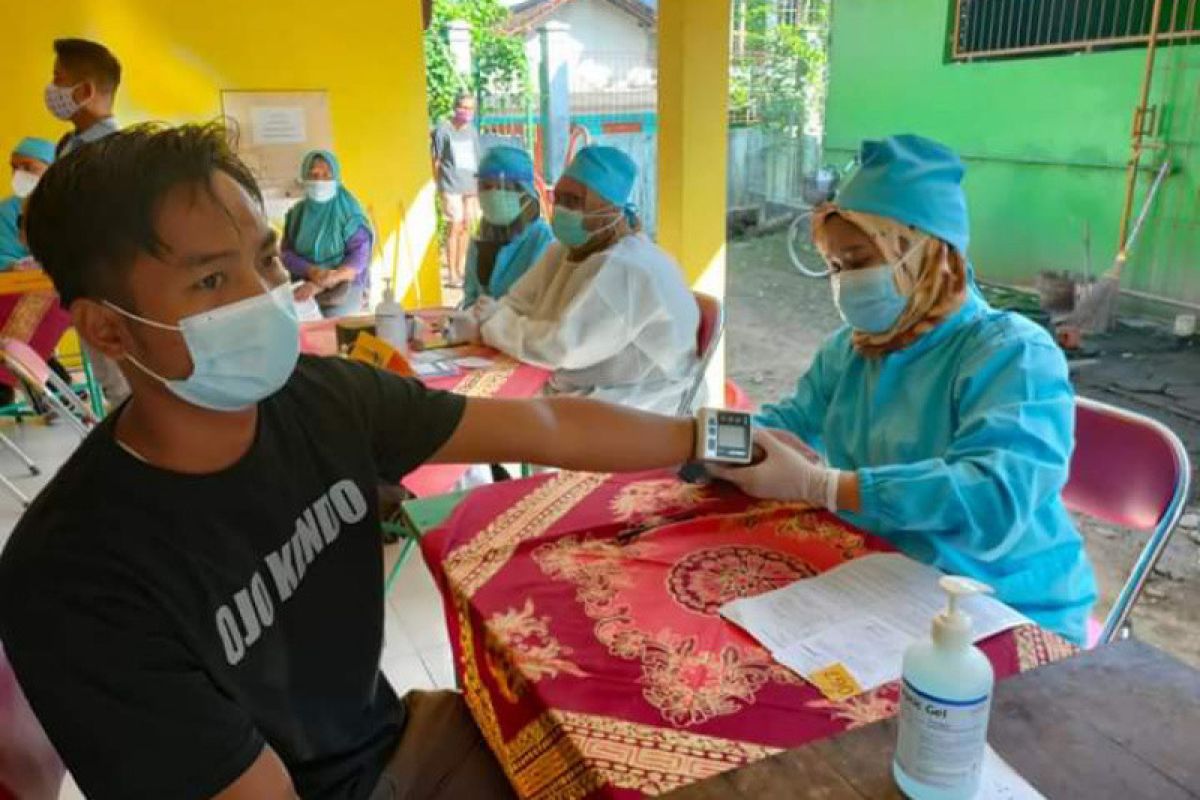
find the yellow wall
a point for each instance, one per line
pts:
(693, 92)
(179, 54)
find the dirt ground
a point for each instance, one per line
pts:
(777, 320)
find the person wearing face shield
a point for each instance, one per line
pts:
(605, 308)
(327, 239)
(943, 425)
(29, 161)
(513, 235)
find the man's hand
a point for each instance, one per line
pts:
(791, 471)
(568, 432)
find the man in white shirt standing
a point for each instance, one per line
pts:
(82, 92)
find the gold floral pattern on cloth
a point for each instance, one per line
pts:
(486, 382)
(688, 685)
(643, 501)
(799, 522)
(473, 564)
(521, 650)
(878, 704)
(566, 755)
(1036, 647)
(707, 579)
(27, 314)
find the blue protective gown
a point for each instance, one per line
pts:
(11, 249)
(961, 442)
(513, 260)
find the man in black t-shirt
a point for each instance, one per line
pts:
(194, 605)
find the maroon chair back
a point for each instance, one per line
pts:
(708, 336)
(1124, 471)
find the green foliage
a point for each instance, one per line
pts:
(499, 65)
(778, 79)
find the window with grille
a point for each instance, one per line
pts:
(983, 29)
(788, 12)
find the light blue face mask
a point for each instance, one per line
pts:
(501, 207)
(568, 226)
(868, 299)
(241, 353)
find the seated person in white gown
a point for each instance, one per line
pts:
(605, 308)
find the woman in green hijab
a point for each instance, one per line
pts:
(327, 239)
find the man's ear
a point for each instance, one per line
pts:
(100, 326)
(85, 92)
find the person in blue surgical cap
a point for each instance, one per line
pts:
(513, 234)
(931, 419)
(605, 308)
(29, 161)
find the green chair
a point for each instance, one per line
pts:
(416, 518)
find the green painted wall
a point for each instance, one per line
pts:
(1045, 140)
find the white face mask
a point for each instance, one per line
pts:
(241, 353)
(61, 102)
(23, 183)
(320, 191)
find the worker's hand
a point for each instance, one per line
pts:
(789, 471)
(318, 277)
(485, 306)
(305, 292)
(463, 327)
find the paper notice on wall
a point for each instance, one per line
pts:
(278, 125)
(846, 630)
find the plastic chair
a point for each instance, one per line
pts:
(30, 769)
(1132, 471)
(26, 364)
(708, 336)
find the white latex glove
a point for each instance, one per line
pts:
(485, 306)
(463, 327)
(790, 471)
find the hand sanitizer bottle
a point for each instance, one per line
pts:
(390, 324)
(945, 697)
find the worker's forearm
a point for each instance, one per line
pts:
(848, 496)
(600, 437)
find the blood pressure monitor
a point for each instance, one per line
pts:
(724, 436)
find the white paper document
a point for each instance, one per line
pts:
(859, 616)
(1002, 782)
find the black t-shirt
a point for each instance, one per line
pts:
(165, 626)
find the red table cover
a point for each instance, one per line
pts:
(601, 670)
(35, 318)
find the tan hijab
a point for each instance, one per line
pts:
(934, 279)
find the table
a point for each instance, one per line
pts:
(506, 378)
(1120, 721)
(601, 670)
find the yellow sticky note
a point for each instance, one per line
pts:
(835, 682)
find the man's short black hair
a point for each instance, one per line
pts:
(95, 210)
(90, 60)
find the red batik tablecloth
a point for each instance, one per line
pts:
(601, 670)
(505, 378)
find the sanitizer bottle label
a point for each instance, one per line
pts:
(941, 742)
